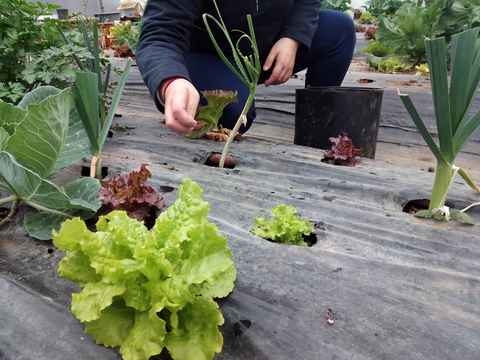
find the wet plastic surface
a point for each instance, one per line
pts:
(396, 287)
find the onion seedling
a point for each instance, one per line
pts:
(452, 102)
(247, 70)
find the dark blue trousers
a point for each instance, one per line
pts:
(327, 63)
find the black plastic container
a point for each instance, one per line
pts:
(330, 111)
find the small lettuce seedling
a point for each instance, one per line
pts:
(342, 152)
(288, 228)
(208, 115)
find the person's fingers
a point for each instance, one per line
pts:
(181, 101)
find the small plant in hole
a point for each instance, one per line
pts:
(130, 193)
(288, 228)
(342, 152)
(249, 67)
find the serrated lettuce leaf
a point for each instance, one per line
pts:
(157, 285)
(288, 228)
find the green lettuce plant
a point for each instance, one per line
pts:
(38, 138)
(148, 290)
(247, 70)
(288, 228)
(452, 102)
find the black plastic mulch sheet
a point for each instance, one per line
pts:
(395, 287)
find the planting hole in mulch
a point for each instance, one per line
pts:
(310, 239)
(416, 205)
(214, 160)
(365, 81)
(86, 171)
(4, 212)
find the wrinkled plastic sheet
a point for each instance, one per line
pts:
(396, 287)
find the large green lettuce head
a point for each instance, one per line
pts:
(145, 290)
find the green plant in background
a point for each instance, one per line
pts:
(22, 37)
(407, 30)
(91, 91)
(422, 69)
(148, 290)
(339, 5)
(248, 68)
(288, 228)
(367, 18)
(452, 102)
(126, 34)
(388, 7)
(376, 48)
(393, 64)
(38, 138)
(377, 52)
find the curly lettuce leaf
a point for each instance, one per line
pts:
(158, 286)
(130, 193)
(209, 114)
(288, 228)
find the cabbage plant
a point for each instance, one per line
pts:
(453, 98)
(39, 137)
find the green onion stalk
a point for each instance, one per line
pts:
(248, 68)
(91, 93)
(452, 103)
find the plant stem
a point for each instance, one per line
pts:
(13, 212)
(96, 167)
(443, 179)
(240, 121)
(7, 199)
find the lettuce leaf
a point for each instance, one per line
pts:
(145, 290)
(288, 228)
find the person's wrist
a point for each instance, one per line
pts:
(168, 82)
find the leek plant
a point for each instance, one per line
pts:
(452, 103)
(90, 92)
(248, 68)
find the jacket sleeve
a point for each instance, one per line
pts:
(301, 22)
(164, 41)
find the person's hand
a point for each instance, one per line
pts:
(181, 101)
(283, 55)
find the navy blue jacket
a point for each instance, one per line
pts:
(171, 28)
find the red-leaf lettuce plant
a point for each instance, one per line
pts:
(148, 290)
(130, 193)
(342, 152)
